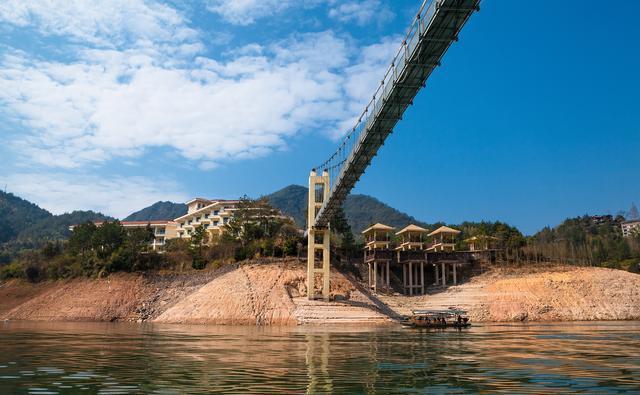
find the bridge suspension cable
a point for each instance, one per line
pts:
(436, 25)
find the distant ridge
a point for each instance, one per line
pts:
(360, 210)
(159, 211)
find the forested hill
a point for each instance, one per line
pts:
(587, 239)
(16, 215)
(159, 211)
(360, 210)
(24, 225)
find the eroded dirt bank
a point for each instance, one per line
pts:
(537, 294)
(272, 293)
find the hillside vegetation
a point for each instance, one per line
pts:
(25, 226)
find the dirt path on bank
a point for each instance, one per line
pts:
(273, 293)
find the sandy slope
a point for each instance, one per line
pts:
(551, 294)
(272, 293)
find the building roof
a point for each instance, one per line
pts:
(136, 223)
(632, 221)
(378, 226)
(444, 229)
(412, 228)
(198, 199)
(205, 208)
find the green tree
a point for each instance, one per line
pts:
(107, 238)
(341, 227)
(81, 240)
(633, 212)
(199, 238)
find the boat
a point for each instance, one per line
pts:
(437, 319)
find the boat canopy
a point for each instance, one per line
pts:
(439, 313)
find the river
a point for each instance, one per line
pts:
(124, 358)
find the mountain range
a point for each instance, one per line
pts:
(360, 210)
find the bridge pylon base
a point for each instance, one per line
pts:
(318, 244)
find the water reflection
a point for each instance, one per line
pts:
(120, 358)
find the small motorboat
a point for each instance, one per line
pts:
(437, 319)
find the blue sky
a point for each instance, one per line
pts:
(533, 117)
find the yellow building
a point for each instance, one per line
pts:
(443, 239)
(211, 214)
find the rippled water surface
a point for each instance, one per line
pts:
(120, 358)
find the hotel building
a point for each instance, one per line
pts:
(211, 214)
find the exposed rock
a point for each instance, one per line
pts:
(272, 292)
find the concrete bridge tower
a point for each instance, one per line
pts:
(319, 252)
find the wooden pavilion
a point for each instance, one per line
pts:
(481, 243)
(378, 255)
(412, 255)
(443, 239)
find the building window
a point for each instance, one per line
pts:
(217, 212)
(226, 220)
(206, 226)
(206, 216)
(215, 223)
(198, 219)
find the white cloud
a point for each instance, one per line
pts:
(83, 113)
(105, 22)
(360, 12)
(118, 197)
(154, 89)
(245, 12)
(111, 103)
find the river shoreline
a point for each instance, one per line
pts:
(273, 293)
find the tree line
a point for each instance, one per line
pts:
(255, 230)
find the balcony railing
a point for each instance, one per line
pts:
(418, 255)
(378, 255)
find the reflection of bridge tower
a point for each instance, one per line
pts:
(378, 255)
(317, 360)
(318, 254)
(412, 256)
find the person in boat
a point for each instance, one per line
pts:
(459, 319)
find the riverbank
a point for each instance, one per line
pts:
(273, 293)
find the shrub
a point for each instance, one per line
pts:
(12, 270)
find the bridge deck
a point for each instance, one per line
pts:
(433, 31)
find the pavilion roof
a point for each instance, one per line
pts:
(377, 226)
(480, 237)
(444, 229)
(412, 228)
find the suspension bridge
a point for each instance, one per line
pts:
(433, 30)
